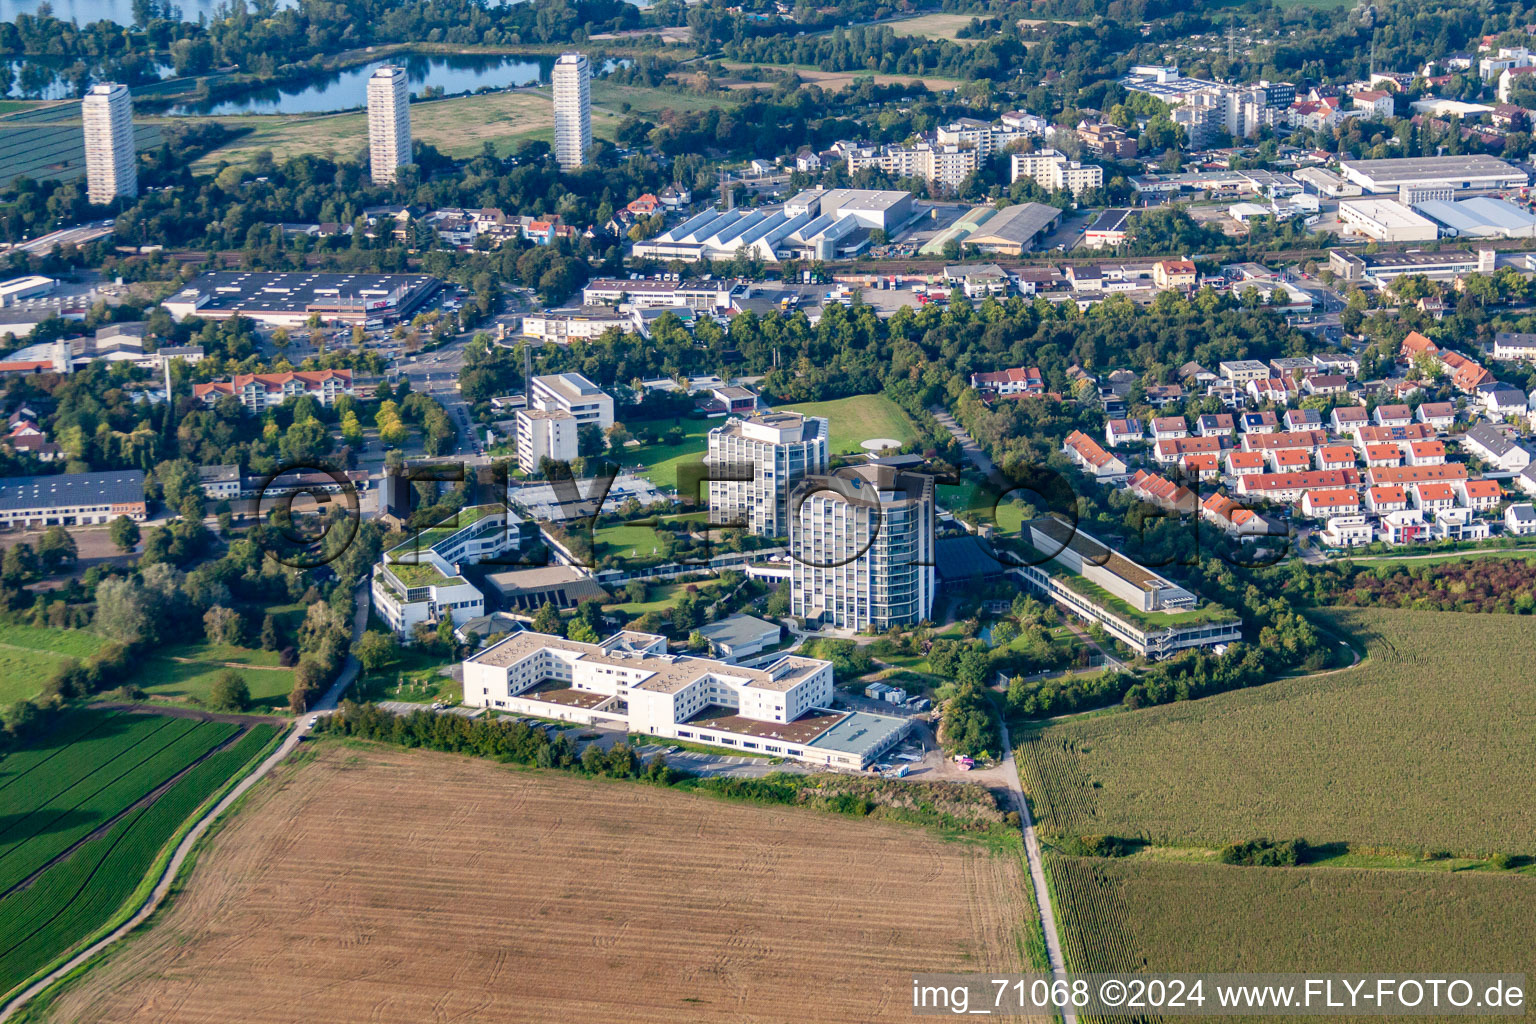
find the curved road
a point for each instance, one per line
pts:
(184, 849)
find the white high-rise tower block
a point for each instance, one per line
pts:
(573, 109)
(111, 162)
(389, 124)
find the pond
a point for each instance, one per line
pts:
(348, 89)
(44, 79)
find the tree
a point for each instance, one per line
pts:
(697, 642)
(57, 549)
(229, 692)
(547, 619)
(20, 564)
(581, 632)
(376, 650)
(124, 533)
(124, 611)
(224, 625)
(269, 638)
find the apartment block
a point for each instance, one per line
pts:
(389, 124)
(111, 160)
(755, 462)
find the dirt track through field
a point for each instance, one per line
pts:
(380, 885)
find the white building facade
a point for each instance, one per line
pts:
(572, 79)
(862, 548)
(111, 161)
(773, 452)
(389, 124)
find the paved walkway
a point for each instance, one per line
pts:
(1036, 872)
(184, 848)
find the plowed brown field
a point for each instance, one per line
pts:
(382, 885)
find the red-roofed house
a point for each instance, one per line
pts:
(1291, 486)
(1426, 453)
(1173, 274)
(1386, 498)
(1164, 427)
(1375, 102)
(1383, 455)
(1417, 344)
(1479, 495)
(1240, 463)
(1345, 418)
(1433, 497)
(258, 391)
(1119, 432)
(1170, 450)
(1091, 458)
(1161, 491)
(1290, 460)
(1201, 465)
(1335, 456)
(1333, 502)
(1021, 380)
(1393, 416)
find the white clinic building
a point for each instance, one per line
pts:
(772, 452)
(543, 433)
(389, 124)
(420, 580)
(572, 78)
(574, 394)
(111, 161)
(782, 710)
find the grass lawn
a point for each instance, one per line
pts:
(1450, 556)
(934, 26)
(659, 597)
(459, 126)
(29, 656)
(858, 419)
(164, 676)
(415, 678)
(835, 81)
(660, 461)
(634, 540)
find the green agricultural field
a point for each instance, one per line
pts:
(80, 886)
(858, 419)
(658, 462)
(1137, 914)
(1379, 755)
(29, 656)
(188, 672)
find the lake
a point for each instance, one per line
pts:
(348, 89)
(121, 11)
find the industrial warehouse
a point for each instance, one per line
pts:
(816, 224)
(782, 710)
(290, 299)
(1459, 173)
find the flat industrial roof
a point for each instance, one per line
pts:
(297, 291)
(66, 490)
(1016, 225)
(861, 733)
(1389, 213)
(1481, 215)
(1420, 167)
(804, 729)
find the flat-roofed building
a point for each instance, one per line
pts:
(419, 581)
(574, 394)
(541, 434)
(770, 453)
(862, 544)
(1386, 220)
(783, 709)
(1469, 171)
(72, 499)
(572, 86)
(290, 299)
(1014, 230)
(528, 590)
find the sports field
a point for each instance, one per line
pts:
(860, 418)
(84, 812)
(30, 655)
(1137, 914)
(1381, 755)
(475, 892)
(934, 26)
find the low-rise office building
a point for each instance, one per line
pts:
(420, 581)
(782, 710)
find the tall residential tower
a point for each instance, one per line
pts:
(389, 124)
(573, 109)
(111, 163)
(861, 544)
(773, 452)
